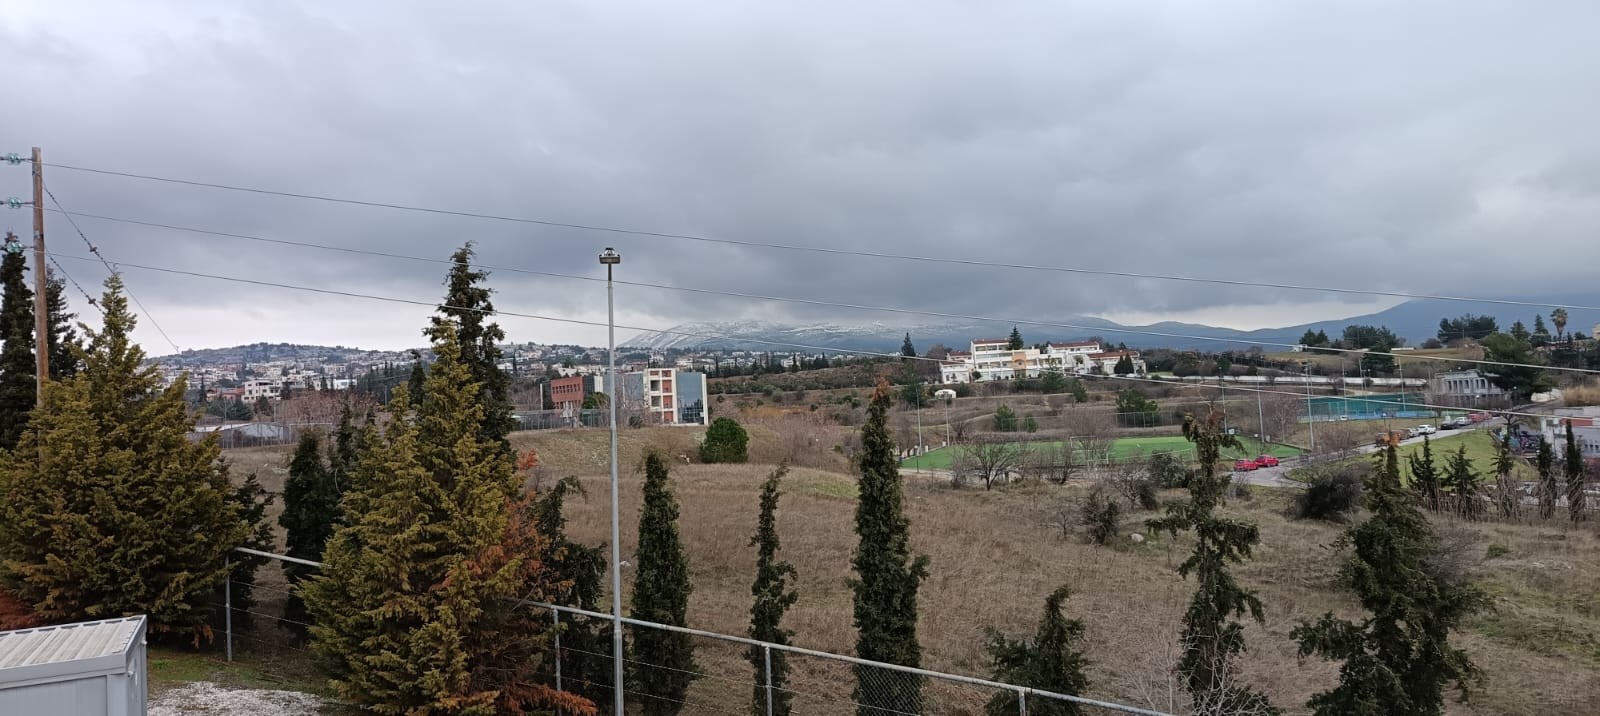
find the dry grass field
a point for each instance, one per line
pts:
(995, 555)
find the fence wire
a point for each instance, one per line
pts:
(725, 675)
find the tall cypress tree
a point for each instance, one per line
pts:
(907, 350)
(1015, 341)
(419, 374)
(1399, 659)
(1212, 637)
(662, 661)
(1053, 661)
(106, 507)
(1549, 488)
(414, 610)
(17, 385)
(1462, 482)
(1507, 497)
(466, 309)
(1425, 476)
(1574, 465)
(887, 577)
(774, 594)
(310, 513)
(63, 336)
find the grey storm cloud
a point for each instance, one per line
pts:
(1421, 146)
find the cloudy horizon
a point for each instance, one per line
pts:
(1429, 147)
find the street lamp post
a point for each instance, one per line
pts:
(609, 258)
(1311, 418)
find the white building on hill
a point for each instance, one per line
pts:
(993, 359)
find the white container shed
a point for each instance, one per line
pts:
(83, 669)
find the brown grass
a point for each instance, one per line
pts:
(995, 555)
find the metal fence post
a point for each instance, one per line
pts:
(555, 618)
(227, 602)
(766, 655)
(1022, 703)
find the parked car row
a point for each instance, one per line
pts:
(1246, 464)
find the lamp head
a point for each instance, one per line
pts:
(610, 256)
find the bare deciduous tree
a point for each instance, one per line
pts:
(1091, 431)
(1049, 461)
(989, 458)
(1281, 413)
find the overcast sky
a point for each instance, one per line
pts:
(1420, 146)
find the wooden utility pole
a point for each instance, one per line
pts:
(41, 317)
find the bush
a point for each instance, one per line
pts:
(1329, 497)
(726, 441)
(1005, 419)
(1167, 472)
(1029, 425)
(1099, 515)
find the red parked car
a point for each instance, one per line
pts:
(1244, 465)
(1266, 461)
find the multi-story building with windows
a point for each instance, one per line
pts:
(994, 359)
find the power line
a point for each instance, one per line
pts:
(109, 269)
(834, 304)
(696, 334)
(815, 249)
(91, 299)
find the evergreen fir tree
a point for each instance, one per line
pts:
(466, 310)
(662, 662)
(1574, 465)
(1015, 342)
(1425, 480)
(17, 385)
(419, 374)
(585, 643)
(1053, 662)
(887, 577)
(907, 350)
(106, 507)
(63, 336)
(1212, 639)
(1507, 497)
(1549, 488)
(310, 513)
(1462, 482)
(774, 594)
(252, 501)
(1399, 659)
(414, 611)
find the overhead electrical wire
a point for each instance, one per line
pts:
(109, 269)
(698, 334)
(813, 249)
(833, 304)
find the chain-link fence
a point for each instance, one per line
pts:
(725, 674)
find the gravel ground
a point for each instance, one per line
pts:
(203, 698)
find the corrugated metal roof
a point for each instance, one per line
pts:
(67, 642)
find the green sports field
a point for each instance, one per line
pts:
(1121, 449)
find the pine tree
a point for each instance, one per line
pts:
(1212, 639)
(106, 507)
(465, 310)
(1053, 662)
(63, 336)
(414, 611)
(1574, 465)
(17, 384)
(1507, 497)
(1015, 342)
(907, 350)
(1549, 488)
(774, 594)
(1425, 479)
(310, 513)
(887, 577)
(1399, 659)
(1462, 481)
(662, 661)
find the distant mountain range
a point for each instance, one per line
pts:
(1416, 321)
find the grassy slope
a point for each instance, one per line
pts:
(995, 555)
